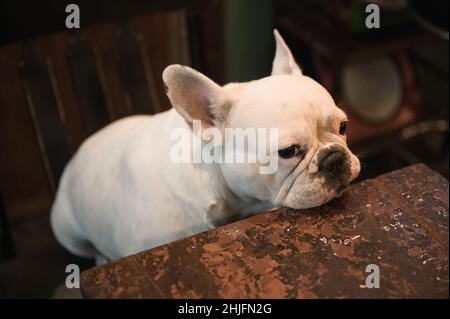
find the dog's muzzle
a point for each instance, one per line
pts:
(333, 162)
(335, 166)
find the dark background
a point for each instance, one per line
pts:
(58, 86)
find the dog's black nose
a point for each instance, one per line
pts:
(333, 162)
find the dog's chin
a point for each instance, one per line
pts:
(307, 200)
(341, 190)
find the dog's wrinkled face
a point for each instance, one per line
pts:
(314, 162)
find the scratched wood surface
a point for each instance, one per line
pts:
(398, 221)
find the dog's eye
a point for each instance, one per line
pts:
(343, 128)
(290, 151)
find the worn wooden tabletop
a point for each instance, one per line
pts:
(398, 222)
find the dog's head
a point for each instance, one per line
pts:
(314, 162)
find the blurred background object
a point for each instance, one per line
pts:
(391, 81)
(59, 86)
(432, 16)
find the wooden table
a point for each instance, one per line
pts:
(397, 221)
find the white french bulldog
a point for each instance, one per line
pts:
(121, 193)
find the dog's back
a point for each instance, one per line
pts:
(83, 188)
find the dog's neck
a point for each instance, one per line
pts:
(227, 205)
(221, 203)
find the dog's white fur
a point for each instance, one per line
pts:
(121, 193)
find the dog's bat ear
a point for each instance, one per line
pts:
(283, 62)
(195, 96)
